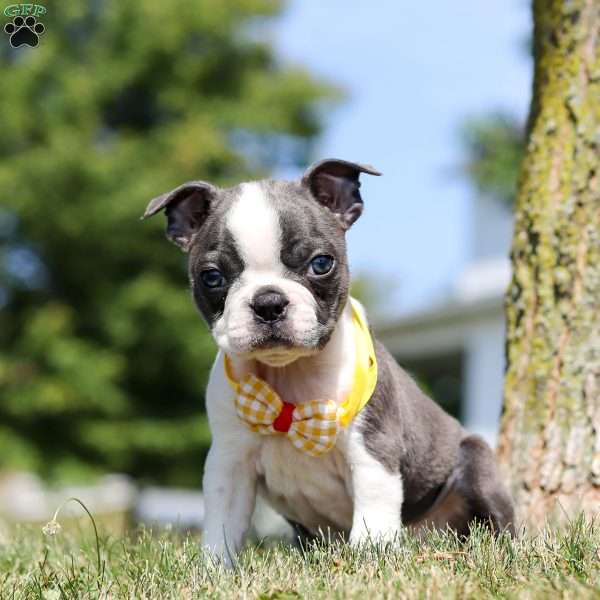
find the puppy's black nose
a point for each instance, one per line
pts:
(269, 305)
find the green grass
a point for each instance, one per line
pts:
(553, 564)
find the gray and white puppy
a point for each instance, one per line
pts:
(269, 272)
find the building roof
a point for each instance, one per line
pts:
(438, 330)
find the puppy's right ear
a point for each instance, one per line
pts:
(186, 207)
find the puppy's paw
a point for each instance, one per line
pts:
(360, 536)
(217, 558)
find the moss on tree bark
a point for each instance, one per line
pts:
(550, 433)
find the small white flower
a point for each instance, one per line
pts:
(51, 528)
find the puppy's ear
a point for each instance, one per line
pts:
(186, 207)
(334, 184)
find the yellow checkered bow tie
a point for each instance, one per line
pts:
(313, 426)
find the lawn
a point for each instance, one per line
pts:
(554, 564)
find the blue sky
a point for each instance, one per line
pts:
(413, 71)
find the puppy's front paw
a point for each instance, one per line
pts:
(362, 534)
(217, 557)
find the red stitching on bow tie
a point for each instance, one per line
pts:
(283, 421)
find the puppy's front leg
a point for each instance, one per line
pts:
(377, 494)
(230, 495)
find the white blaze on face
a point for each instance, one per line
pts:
(254, 224)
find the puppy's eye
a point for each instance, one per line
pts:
(212, 278)
(321, 265)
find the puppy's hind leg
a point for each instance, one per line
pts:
(473, 493)
(478, 482)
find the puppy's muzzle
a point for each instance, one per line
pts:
(269, 305)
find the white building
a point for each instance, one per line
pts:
(457, 348)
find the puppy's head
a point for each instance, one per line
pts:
(267, 259)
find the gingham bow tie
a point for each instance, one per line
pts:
(312, 427)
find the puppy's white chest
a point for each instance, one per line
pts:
(313, 491)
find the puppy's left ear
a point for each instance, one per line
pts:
(186, 207)
(334, 184)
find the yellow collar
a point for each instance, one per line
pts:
(365, 369)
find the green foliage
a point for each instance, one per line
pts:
(494, 145)
(557, 563)
(103, 358)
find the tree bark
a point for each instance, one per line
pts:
(550, 432)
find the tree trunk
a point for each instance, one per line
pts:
(550, 434)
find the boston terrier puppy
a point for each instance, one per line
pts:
(305, 408)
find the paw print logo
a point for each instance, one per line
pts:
(24, 31)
